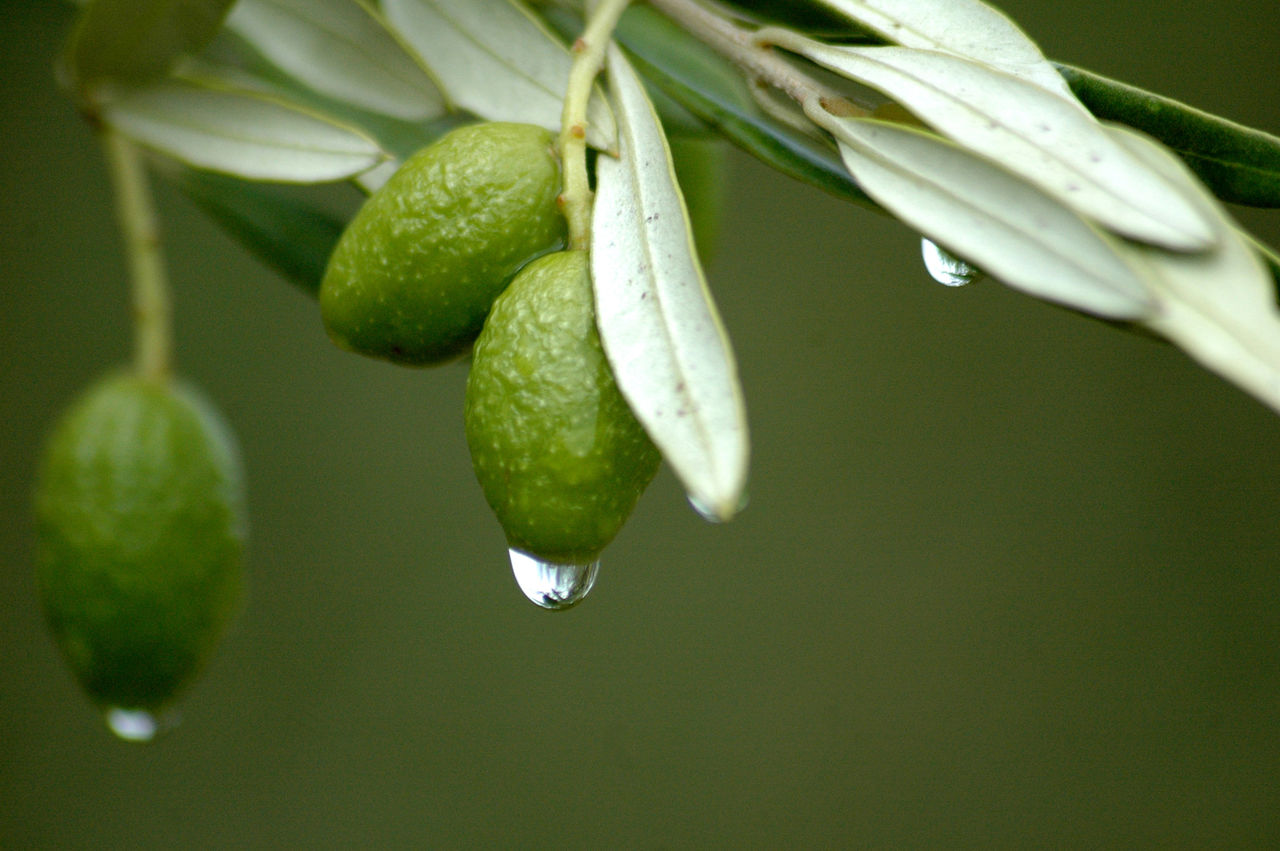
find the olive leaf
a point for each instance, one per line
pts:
(131, 41)
(658, 324)
(989, 217)
(342, 49)
(965, 28)
(496, 59)
(231, 63)
(240, 133)
(707, 86)
(291, 234)
(1240, 164)
(1048, 141)
(1218, 306)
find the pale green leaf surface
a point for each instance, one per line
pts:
(659, 326)
(130, 41)
(231, 63)
(1219, 306)
(989, 217)
(966, 28)
(240, 133)
(1240, 164)
(496, 60)
(1036, 135)
(341, 49)
(371, 181)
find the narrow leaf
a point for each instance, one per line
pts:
(1036, 135)
(703, 83)
(657, 321)
(1219, 306)
(965, 28)
(131, 41)
(1240, 164)
(231, 63)
(990, 218)
(240, 133)
(495, 59)
(341, 49)
(286, 232)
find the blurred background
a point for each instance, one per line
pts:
(1009, 577)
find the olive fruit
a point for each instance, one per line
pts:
(140, 530)
(559, 455)
(415, 272)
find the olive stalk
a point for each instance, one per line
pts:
(135, 212)
(589, 50)
(751, 51)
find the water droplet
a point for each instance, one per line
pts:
(134, 725)
(709, 514)
(945, 267)
(553, 586)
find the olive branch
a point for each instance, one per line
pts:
(942, 114)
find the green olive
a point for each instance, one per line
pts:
(559, 455)
(415, 272)
(140, 531)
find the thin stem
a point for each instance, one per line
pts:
(153, 335)
(589, 50)
(751, 52)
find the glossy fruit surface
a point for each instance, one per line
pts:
(140, 524)
(561, 458)
(414, 274)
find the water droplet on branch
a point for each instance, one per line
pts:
(945, 267)
(553, 586)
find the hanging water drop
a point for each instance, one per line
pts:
(945, 267)
(132, 725)
(709, 514)
(553, 586)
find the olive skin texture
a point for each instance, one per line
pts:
(415, 272)
(140, 533)
(558, 453)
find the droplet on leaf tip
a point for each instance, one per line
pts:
(944, 267)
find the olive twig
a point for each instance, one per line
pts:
(153, 334)
(589, 50)
(752, 51)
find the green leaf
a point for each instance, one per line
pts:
(240, 133)
(1219, 306)
(231, 63)
(342, 49)
(1241, 165)
(1271, 257)
(813, 20)
(707, 86)
(990, 218)
(659, 326)
(495, 59)
(966, 28)
(288, 233)
(1046, 139)
(132, 41)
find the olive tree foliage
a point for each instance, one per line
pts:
(1070, 187)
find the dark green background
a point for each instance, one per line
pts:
(1008, 578)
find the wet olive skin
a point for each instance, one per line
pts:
(415, 272)
(559, 455)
